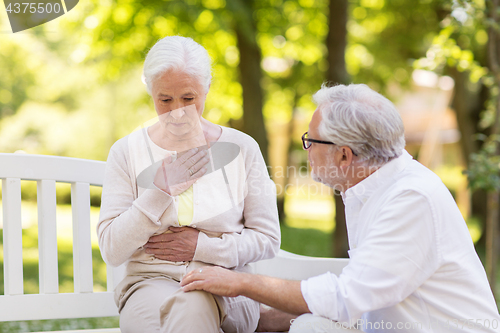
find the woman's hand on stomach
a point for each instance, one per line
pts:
(178, 245)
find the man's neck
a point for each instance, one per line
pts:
(360, 173)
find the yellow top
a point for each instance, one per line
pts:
(185, 207)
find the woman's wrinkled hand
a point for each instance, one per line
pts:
(177, 245)
(177, 176)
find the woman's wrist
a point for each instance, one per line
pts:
(166, 190)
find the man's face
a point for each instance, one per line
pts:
(321, 156)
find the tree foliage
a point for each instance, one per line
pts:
(88, 62)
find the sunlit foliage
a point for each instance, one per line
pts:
(73, 86)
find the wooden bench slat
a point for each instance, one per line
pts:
(57, 306)
(47, 236)
(60, 169)
(82, 248)
(114, 276)
(290, 266)
(12, 236)
(97, 330)
(109, 278)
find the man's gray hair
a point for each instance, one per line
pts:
(177, 53)
(362, 119)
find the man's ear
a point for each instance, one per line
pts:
(346, 156)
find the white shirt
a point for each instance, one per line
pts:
(412, 267)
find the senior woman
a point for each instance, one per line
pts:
(182, 194)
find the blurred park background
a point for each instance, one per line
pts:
(72, 87)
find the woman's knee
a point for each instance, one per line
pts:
(139, 315)
(194, 301)
(176, 313)
(140, 312)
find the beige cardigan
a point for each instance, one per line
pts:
(238, 223)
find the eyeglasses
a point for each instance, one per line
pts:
(307, 142)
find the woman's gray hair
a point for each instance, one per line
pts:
(362, 119)
(177, 53)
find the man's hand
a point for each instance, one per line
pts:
(281, 294)
(179, 245)
(215, 280)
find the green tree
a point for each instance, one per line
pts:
(468, 46)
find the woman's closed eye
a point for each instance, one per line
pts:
(186, 99)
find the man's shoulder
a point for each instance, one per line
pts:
(417, 178)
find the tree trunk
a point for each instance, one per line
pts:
(468, 105)
(250, 77)
(291, 130)
(492, 238)
(340, 243)
(336, 43)
(492, 220)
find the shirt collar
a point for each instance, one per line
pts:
(365, 188)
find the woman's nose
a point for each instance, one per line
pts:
(177, 113)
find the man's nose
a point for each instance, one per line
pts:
(177, 113)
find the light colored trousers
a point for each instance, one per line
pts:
(157, 304)
(308, 323)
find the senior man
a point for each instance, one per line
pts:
(412, 267)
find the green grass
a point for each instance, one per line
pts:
(308, 242)
(58, 325)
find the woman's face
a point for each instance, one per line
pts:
(179, 102)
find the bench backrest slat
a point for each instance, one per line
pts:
(60, 169)
(82, 248)
(115, 275)
(12, 236)
(47, 237)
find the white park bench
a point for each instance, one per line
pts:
(49, 303)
